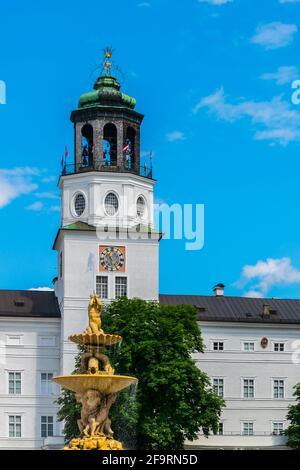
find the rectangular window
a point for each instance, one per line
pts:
(14, 383)
(248, 346)
(121, 287)
(277, 428)
(221, 429)
(248, 428)
(279, 347)
(47, 426)
(46, 383)
(248, 388)
(15, 426)
(218, 346)
(278, 388)
(102, 287)
(218, 387)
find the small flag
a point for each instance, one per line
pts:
(66, 152)
(126, 148)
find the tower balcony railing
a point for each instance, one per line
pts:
(105, 166)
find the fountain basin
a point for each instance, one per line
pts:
(105, 384)
(100, 339)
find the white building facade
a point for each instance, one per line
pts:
(29, 358)
(107, 243)
(251, 356)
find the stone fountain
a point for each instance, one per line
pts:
(95, 385)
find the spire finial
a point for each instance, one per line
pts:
(107, 63)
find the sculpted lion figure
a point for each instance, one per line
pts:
(94, 413)
(95, 309)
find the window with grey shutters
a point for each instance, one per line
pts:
(14, 383)
(15, 426)
(278, 388)
(102, 287)
(47, 426)
(248, 388)
(121, 287)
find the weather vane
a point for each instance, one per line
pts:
(107, 63)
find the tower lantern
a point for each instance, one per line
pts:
(107, 128)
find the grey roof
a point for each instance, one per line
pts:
(238, 309)
(28, 303)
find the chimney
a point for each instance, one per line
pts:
(266, 310)
(219, 290)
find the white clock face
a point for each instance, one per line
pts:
(112, 259)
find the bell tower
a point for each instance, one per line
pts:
(106, 242)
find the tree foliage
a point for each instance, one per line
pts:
(293, 431)
(174, 399)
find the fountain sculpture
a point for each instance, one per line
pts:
(95, 385)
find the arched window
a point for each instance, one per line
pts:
(109, 145)
(87, 145)
(129, 148)
(140, 207)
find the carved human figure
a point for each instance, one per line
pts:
(94, 413)
(95, 310)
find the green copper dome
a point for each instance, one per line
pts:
(107, 93)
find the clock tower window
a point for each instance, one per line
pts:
(79, 204)
(102, 286)
(140, 207)
(111, 204)
(87, 145)
(110, 148)
(129, 149)
(121, 287)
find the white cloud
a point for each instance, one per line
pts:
(36, 206)
(175, 135)
(215, 2)
(48, 179)
(16, 182)
(277, 121)
(289, 1)
(253, 293)
(20, 171)
(144, 5)
(274, 35)
(44, 289)
(265, 275)
(47, 195)
(283, 75)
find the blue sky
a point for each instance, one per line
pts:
(213, 79)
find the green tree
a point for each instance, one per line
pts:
(174, 399)
(293, 431)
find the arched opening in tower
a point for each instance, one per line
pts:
(129, 148)
(110, 145)
(87, 145)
